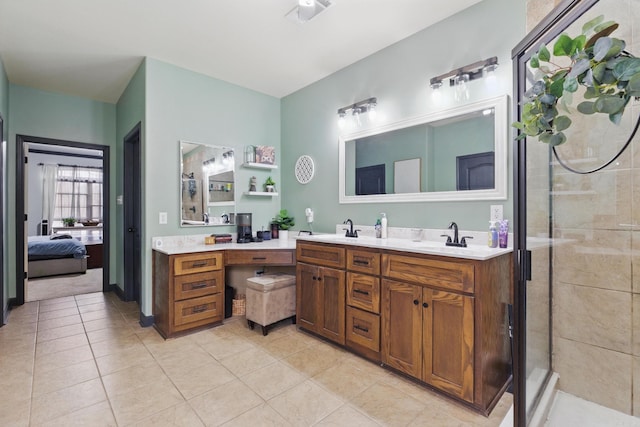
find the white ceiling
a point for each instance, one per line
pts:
(91, 48)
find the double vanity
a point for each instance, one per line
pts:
(437, 314)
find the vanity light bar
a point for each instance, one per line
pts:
(366, 106)
(474, 71)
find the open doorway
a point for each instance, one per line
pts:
(62, 222)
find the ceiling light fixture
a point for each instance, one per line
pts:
(461, 76)
(307, 10)
(357, 111)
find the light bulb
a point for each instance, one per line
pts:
(372, 113)
(356, 116)
(342, 120)
(461, 91)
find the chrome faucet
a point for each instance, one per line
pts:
(349, 231)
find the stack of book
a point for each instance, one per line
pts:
(223, 238)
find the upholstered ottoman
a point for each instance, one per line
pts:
(270, 298)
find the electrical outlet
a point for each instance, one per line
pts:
(162, 218)
(496, 213)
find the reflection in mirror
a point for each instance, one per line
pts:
(207, 184)
(457, 154)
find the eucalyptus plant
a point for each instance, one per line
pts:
(597, 62)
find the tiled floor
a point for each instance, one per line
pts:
(85, 361)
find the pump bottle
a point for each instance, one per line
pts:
(383, 228)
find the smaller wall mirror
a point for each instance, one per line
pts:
(456, 154)
(207, 184)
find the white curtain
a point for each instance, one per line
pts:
(49, 180)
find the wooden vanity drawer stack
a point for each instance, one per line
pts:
(188, 291)
(363, 302)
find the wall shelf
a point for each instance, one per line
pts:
(259, 166)
(260, 194)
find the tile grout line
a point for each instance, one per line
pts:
(33, 365)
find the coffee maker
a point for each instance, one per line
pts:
(243, 221)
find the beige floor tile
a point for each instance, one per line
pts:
(117, 361)
(104, 323)
(61, 359)
(18, 328)
(12, 363)
(15, 413)
(248, 361)
(260, 416)
(62, 402)
(56, 379)
(98, 415)
(61, 332)
(225, 347)
(189, 354)
(118, 332)
(289, 344)
(110, 346)
(61, 344)
(225, 403)
(58, 313)
(313, 360)
(192, 381)
(60, 300)
(346, 380)
(388, 405)
(93, 295)
(347, 416)
(16, 386)
(131, 379)
(273, 380)
(100, 314)
(90, 306)
(59, 322)
(136, 405)
(44, 308)
(19, 344)
(305, 404)
(180, 415)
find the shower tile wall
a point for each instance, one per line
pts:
(596, 230)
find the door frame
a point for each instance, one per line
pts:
(132, 200)
(20, 212)
(3, 308)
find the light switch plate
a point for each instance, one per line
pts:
(162, 218)
(496, 213)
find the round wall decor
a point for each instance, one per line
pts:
(305, 169)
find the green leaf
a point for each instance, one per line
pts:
(557, 139)
(564, 46)
(616, 118)
(579, 67)
(548, 98)
(590, 93)
(626, 68)
(604, 26)
(517, 125)
(609, 104)
(598, 72)
(592, 24)
(556, 90)
(634, 84)
(544, 54)
(580, 42)
(587, 107)
(534, 62)
(545, 137)
(561, 123)
(601, 48)
(570, 84)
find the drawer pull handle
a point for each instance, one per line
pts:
(199, 308)
(360, 328)
(199, 285)
(199, 264)
(360, 262)
(416, 302)
(259, 258)
(358, 291)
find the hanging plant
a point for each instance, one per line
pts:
(597, 62)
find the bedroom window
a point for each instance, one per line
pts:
(78, 193)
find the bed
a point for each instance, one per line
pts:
(55, 255)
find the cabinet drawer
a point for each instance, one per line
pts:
(363, 328)
(455, 275)
(363, 292)
(201, 310)
(197, 285)
(327, 255)
(197, 263)
(363, 261)
(274, 257)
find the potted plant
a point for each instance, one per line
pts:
(69, 222)
(284, 223)
(270, 185)
(599, 65)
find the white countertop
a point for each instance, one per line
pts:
(181, 247)
(477, 252)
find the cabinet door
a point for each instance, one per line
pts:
(331, 304)
(402, 327)
(448, 342)
(307, 296)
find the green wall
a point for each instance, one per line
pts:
(184, 105)
(130, 110)
(4, 112)
(399, 77)
(46, 114)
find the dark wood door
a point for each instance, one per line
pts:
(402, 327)
(370, 180)
(307, 296)
(332, 295)
(476, 171)
(448, 342)
(132, 200)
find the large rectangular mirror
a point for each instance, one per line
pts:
(456, 154)
(207, 190)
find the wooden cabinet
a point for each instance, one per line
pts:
(444, 322)
(260, 257)
(188, 291)
(320, 291)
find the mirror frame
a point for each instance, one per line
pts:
(499, 192)
(206, 204)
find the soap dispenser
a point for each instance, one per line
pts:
(383, 225)
(493, 235)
